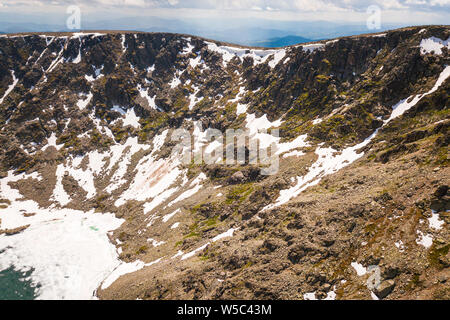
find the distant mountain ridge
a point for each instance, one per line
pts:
(281, 41)
(247, 32)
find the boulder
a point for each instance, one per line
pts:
(237, 177)
(384, 289)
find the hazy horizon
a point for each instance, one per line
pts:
(250, 22)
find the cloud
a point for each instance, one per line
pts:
(401, 11)
(265, 5)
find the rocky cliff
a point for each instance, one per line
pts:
(360, 194)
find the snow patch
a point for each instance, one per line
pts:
(155, 243)
(359, 268)
(312, 47)
(424, 240)
(82, 103)
(403, 106)
(10, 87)
(310, 296)
(125, 268)
(51, 142)
(124, 46)
(277, 57)
(170, 215)
(131, 119)
(434, 44)
(193, 99)
(59, 195)
(227, 234)
(151, 100)
(188, 49)
(153, 178)
(435, 222)
(68, 250)
(262, 123)
(175, 82)
(258, 56)
(194, 252)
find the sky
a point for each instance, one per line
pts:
(217, 15)
(410, 11)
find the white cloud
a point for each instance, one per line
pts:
(398, 12)
(265, 5)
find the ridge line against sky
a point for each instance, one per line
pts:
(266, 23)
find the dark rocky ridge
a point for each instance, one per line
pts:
(307, 86)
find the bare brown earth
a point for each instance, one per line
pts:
(356, 214)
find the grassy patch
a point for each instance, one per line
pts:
(436, 253)
(239, 193)
(142, 250)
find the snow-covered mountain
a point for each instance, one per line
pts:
(97, 202)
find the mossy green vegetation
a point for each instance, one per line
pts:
(142, 249)
(152, 124)
(435, 254)
(239, 193)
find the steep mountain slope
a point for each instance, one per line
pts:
(87, 161)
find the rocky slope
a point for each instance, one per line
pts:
(362, 186)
